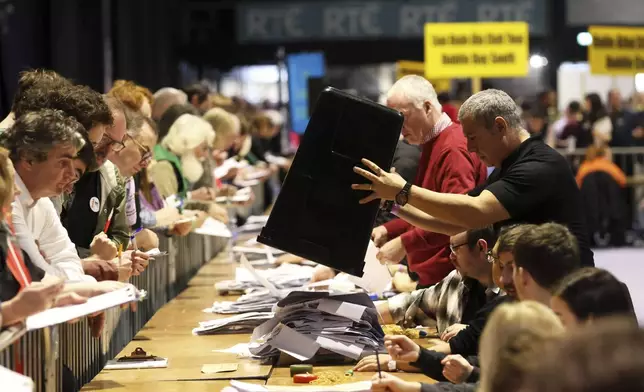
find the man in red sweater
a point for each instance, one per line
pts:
(445, 166)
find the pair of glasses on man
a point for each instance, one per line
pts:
(490, 257)
(107, 142)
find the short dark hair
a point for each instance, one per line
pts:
(198, 89)
(171, 115)
(487, 233)
(574, 107)
(40, 78)
(594, 292)
(609, 356)
(549, 252)
(508, 236)
(86, 154)
(443, 97)
(35, 134)
(81, 102)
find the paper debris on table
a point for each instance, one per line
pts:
(254, 300)
(241, 350)
(219, 368)
(343, 324)
(142, 364)
(241, 323)
(363, 386)
(283, 277)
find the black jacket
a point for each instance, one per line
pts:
(605, 209)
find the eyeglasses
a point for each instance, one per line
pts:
(107, 142)
(146, 154)
(454, 247)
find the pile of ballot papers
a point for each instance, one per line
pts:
(313, 324)
(283, 277)
(242, 323)
(255, 300)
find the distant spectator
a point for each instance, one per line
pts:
(164, 98)
(198, 97)
(597, 120)
(597, 160)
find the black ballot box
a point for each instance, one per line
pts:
(317, 215)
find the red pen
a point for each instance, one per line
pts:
(109, 221)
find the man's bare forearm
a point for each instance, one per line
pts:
(427, 222)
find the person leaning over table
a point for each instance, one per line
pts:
(531, 182)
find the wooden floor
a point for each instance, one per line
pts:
(169, 334)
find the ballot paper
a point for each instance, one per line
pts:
(284, 276)
(257, 219)
(260, 250)
(95, 304)
(242, 323)
(241, 196)
(241, 350)
(214, 228)
(276, 160)
(376, 277)
(254, 300)
(229, 164)
(156, 252)
(238, 386)
(305, 323)
(15, 382)
(115, 364)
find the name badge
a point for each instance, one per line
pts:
(94, 204)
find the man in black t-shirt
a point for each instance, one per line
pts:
(531, 183)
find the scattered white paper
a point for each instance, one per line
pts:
(264, 282)
(376, 277)
(214, 228)
(60, 315)
(363, 386)
(15, 382)
(295, 344)
(156, 364)
(344, 309)
(241, 350)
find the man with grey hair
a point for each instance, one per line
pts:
(42, 147)
(166, 97)
(445, 166)
(532, 183)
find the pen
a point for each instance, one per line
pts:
(378, 362)
(120, 253)
(108, 222)
(133, 238)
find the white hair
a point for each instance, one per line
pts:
(417, 90)
(485, 106)
(187, 133)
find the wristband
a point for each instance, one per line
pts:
(395, 209)
(392, 366)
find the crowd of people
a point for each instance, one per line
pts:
(89, 181)
(501, 263)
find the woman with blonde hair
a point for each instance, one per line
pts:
(512, 341)
(510, 348)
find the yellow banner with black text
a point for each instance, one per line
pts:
(616, 50)
(405, 67)
(476, 50)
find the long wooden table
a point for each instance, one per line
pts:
(169, 334)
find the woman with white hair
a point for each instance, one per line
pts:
(179, 164)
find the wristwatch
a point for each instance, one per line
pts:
(403, 196)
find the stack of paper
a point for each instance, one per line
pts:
(214, 228)
(255, 300)
(242, 323)
(283, 277)
(307, 324)
(15, 382)
(241, 196)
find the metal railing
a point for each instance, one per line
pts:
(65, 357)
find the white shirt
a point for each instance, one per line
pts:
(37, 220)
